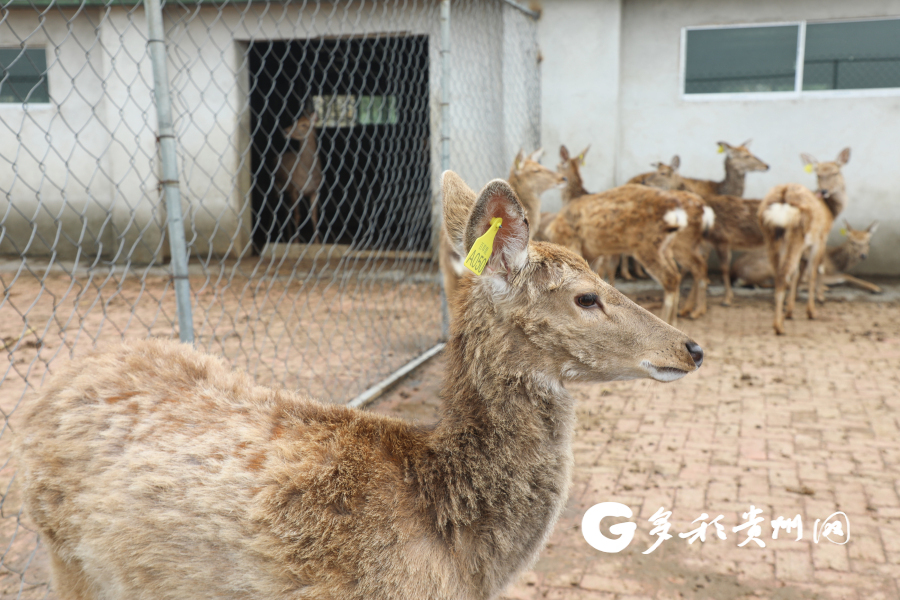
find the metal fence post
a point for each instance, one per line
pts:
(157, 47)
(445, 136)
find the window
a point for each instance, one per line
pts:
(741, 59)
(749, 60)
(348, 110)
(852, 56)
(23, 75)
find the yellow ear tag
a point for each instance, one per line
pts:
(478, 256)
(808, 168)
(843, 231)
(721, 149)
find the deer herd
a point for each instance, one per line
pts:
(152, 470)
(670, 223)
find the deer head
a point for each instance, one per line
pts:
(741, 159)
(544, 305)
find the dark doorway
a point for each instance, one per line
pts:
(375, 163)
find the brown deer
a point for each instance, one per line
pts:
(298, 172)
(665, 177)
(753, 268)
(738, 162)
(570, 169)
(631, 219)
(153, 471)
(795, 221)
(736, 225)
(529, 179)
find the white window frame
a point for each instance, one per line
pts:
(798, 78)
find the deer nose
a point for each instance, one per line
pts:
(696, 353)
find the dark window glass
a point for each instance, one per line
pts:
(852, 56)
(23, 75)
(741, 59)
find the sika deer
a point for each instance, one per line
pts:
(736, 224)
(738, 162)
(529, 179)
(631, 219)
(153, 471)
(753, 268)
(570, 169)
(665, 177)
(298, 171)
(794, 221)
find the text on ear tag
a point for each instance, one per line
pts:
(808, 168)
(721, 149)
(478, 256)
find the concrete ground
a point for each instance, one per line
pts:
(805, 424)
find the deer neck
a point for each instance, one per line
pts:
(733, 184)
(499, 465)
(835, 200)
(573, 190)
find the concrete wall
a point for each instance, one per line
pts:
(650, 121)
(580, 86)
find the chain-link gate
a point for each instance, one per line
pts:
(309, 152)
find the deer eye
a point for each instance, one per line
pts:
(587, 300)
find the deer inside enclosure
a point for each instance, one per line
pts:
(738, 162)
(665, 177)
(153, 471)
(529, 179)
(631, 219)
(298, 171)
(569, 168)
(687, 249)
(754, 268)
(736, 225)
(795, 221)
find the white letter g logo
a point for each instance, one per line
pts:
(590, 527)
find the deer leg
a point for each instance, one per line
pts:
(850, 279)
(639, 271)
(623, 268)
(724, 253)
(816, 255)
(664, 270)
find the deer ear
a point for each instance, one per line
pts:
(747, 143)
(871, 228)
(676, 162)
(458, 200)
(510, 250)
(723, 146)
(844, 157)
(583, 154)
(536, 155)
(517, 163)
(808, 159)
(564, 152)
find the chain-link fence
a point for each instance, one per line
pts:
(309, 152)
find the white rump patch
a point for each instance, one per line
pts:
(662, 374)
(709, 218)
(781, 215)
(676, 218)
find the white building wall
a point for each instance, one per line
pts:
(579, 42)
(657, 123)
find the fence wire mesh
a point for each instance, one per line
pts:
(308, 138)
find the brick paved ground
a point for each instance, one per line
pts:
(804, 424)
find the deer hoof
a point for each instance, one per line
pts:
(811, 314)
(779, 329)
(726, 302)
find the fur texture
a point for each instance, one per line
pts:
(152, 471)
